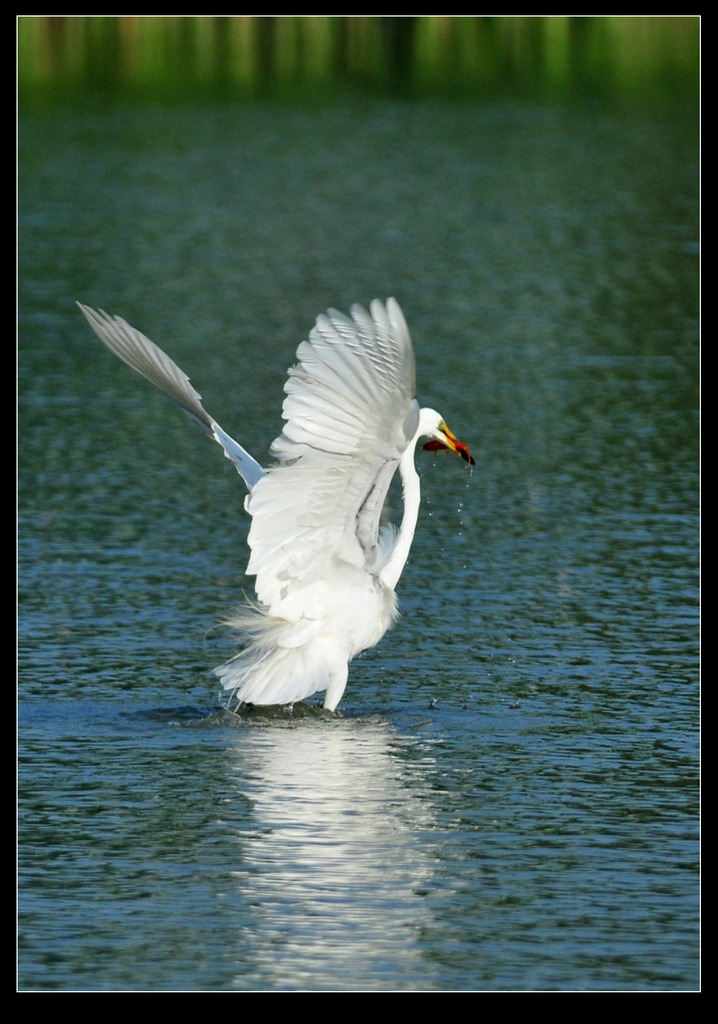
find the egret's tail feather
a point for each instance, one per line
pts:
(280, 663)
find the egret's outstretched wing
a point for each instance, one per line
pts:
(156, 366)
(350, 413)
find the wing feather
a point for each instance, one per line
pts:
(349, 413)
(147, 359)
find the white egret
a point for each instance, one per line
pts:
(325, 568)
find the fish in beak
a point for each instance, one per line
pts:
(445, 439)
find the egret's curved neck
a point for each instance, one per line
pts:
(394, 566)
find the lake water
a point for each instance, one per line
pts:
(509, 796)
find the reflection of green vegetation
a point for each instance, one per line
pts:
(158, 57)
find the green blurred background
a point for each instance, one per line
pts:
(175, 57)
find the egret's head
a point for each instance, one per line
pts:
(442, 437)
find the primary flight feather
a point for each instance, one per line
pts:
(325, 568)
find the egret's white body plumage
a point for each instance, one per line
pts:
(325, 569)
